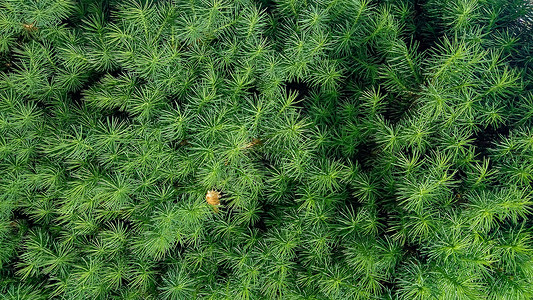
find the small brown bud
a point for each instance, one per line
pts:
(30, 27)
(213, 199)
(253, 143)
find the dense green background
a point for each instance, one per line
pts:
(395, 158)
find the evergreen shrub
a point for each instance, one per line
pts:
(274, 149)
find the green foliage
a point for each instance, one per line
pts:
(357, 149)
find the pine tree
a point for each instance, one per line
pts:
(357, 149)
